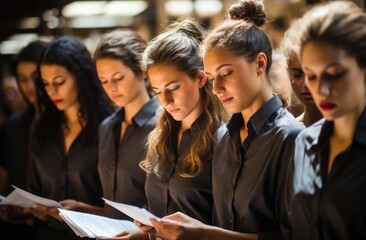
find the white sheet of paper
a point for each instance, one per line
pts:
(136, 213)
(93, 226)
(21, 198)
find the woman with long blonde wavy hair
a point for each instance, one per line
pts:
(180, 148)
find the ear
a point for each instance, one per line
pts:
(202, 79)
(261, 63)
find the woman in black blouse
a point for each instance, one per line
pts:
(180, 148)
(328, 181)
(14, 139)
(253, 150)
(123, 135)
(64, 143)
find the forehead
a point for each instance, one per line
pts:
(162, 74)
(26, 66)
(52, 70)
(110, 63)
(219, 56)
(318, 55)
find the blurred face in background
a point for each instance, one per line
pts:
(335, 80)
(60, 85)
(120, 83)
(27, 73)
(297, 78)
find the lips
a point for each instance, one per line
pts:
(57, 101)
(172, 111)
(226, 100)
(327, 106)
(117, 96)
(306, 94)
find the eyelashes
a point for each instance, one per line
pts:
(169, 90)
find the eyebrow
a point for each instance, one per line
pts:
(59, 76)
(219, 67)
(334, 64)
(166, 85)
(117, 73)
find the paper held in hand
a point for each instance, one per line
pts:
(93, 226)
(21, 198)
(136, 213)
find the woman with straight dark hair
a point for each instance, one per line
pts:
(64, 142)
(123, 135)
(14, 140)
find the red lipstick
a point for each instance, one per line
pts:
(57, 101)
(327, 106)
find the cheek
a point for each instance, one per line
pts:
(296, 87)
(189, 97)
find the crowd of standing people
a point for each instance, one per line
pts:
(193, 127)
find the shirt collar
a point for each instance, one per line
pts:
(141, 116)
(359, 135)
(259, 118)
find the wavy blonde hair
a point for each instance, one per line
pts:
(180, 47)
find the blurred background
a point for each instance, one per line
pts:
(22, 21)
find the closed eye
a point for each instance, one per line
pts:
(118, 79)
(227, 74)
(175, 88)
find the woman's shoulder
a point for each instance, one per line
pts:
(287, 124)
(310, 135)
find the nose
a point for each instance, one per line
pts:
(324, 88)
(51, 89)
(165, 98)
(217, 87)
(30, 84)
(112, 86)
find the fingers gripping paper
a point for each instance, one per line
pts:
(136, 213)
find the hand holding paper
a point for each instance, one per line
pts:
(93, 226)
(136, 213)
(21, 198)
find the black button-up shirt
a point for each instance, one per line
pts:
(248, 176)
(168, 192)
(122, 178)
(14, 146)
(328, 206)
(58, 175)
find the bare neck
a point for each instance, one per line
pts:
(311, 115)
(134, 107)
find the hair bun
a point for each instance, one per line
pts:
(189, 27)
(250, 11)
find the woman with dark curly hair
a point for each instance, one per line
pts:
(64, 142)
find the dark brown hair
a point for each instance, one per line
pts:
(341, 24)
(124, 45)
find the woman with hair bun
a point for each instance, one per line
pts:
(253, 149)
(326, 186)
